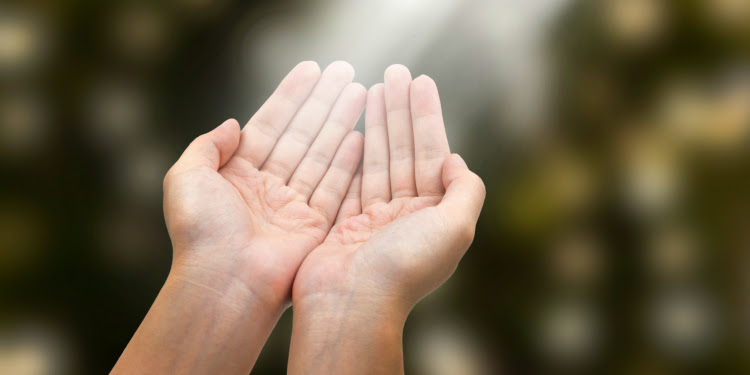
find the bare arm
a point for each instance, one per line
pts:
(243, 209)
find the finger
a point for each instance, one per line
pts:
(304, 127)
(340, 122)
(464, 194)
(352, 204)
(400, 137)
(211, 150)
(330, 192)
(430, 142)
(376, 183)
(263, 130)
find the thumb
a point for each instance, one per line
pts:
(464, 191)
(212, 149)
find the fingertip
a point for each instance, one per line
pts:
(424, 96)
(212, 149)
(308, 69)
(229, 124)
(453, 167)
(355, 138)
(358, 86)
(396, 90)
(228, 132)
(357, 90)
(423, 83)
(340, 69)
(376, 93)
(397, 72)
(459, 160)
(374, 89)
(227, 139)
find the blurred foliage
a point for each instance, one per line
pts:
(613, 240)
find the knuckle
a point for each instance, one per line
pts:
(264, 126)
(278, 167)
(403, 151)
(318, 156)
(432, 151)
(375, 164)
(303, 186)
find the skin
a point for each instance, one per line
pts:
(406, 222)
(278, 212)
(243, 209)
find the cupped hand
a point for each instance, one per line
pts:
(244, 207)
(408, 217)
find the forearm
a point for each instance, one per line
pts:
(346, 336)
(197, 328)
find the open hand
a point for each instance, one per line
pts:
(409, 218)
(244, 208)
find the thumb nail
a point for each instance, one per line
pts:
(460, 160)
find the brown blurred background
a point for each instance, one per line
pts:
(612, 136)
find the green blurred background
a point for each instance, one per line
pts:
(612, 136)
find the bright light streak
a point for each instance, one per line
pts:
(469, 47)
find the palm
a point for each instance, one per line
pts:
(271, 207)
(394, 233)
(271, 193)
(352, 246)
(354, 231)
(239, 203)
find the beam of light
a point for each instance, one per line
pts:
(480, 52)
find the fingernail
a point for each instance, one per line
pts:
(460, 160)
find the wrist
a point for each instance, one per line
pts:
(329, 331)
(229, 292)
(320, 283)
(334, 309)
(232, 279)
(194, 327)
(229, 286)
